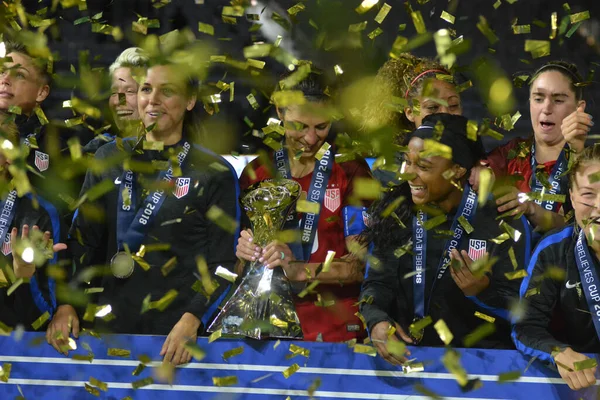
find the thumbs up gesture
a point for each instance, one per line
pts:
(575, 128)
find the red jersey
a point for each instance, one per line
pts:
(518, 164)
(330, 322)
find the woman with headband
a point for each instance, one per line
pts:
(405, 78)
(573, 299)
(440, 270)
(560, 127)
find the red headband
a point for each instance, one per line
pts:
(420, 75)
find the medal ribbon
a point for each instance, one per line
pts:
(589, 279)
(556, 178)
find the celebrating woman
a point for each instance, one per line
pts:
(569, 295)
(329, 314)
(158, 211)
(401, 83)
(560, 127)
(458, 278)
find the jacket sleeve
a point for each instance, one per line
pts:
(530, 334)
(222, 190)
(381, 284)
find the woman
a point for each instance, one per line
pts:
(154, 206)
(405, 288)
(24, 302)
(560, 127)
(334, 228)
(405, 79)
(570, 293)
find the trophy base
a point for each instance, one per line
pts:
(261, 307)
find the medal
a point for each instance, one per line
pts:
(122, 265)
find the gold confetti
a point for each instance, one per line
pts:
(168, 267)
(376, 32)
(503, 237)
(509, 376)
(464, 222)
(15, 110)
(383, 12)
(578, 17)
(164, 302)
(485, 317)
(233, 352)
(91, 390)
(142, 382)
(521, 29)
(214, 336)
(219, 217)
(99, 384)
(206, 28)
(328, 261)
(37, 324)
(365, 6)
(554, 25)
(15, 285)
(484, 28)
(252, 100)
(364, 349)
(443, 331)
(479, 333)
(359, 27)
(196, 351)
(396, 348)
(417, 327)
(451, 360)
(585, 364)
(295, 9)
(435, 221)
(297, 350)
(362, 319)
(5, 372)
(367, 188)
(537, 48)
(418, 21)
(292, 369)
(309, 207)
(138, 370)
(446, 16)
(413, 367)
(512, 232)
(115, 352)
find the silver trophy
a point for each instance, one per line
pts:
(263, 306)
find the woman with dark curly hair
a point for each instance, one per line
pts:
(412, 284)
(405, 90)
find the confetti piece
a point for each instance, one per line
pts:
(537, 48)
(451, 360)
(417, 327)
(365, 6)
(485, 317)
(521, 29)
(196, 351)
(138, 370)
(252, 100)
(435, 221)
(484, 28)
(464, 222)
(214, 336)
(92, 390)
(374, 33)
(328, 261)
(295, 9)
(383, 12)
(446, 16)
(219, 217)
(226, 274)
(115, 352)
(15, 285)
(168, 266)
(585, 364)
(478, 334)
(233, 352)
(359, 27)
(143, 382)
(37, 324)
(443, 331)
(364, 349)
(367, 188)
(418, 21)
(321, 152)
(5, 372)
(553, 25)
(292, 369)
(309, 207)
(512, 232)
(578, 17)
(99, 384)
(509, 376)
(297, 350)
(206, 28)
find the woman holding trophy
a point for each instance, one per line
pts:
(328, 313)
(153, 226)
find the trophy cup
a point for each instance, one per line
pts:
(262, 306)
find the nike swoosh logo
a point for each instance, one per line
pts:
(571, 286)
(117, 181)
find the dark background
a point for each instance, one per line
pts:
(332, 19)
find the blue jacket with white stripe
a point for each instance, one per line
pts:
(556, 312)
